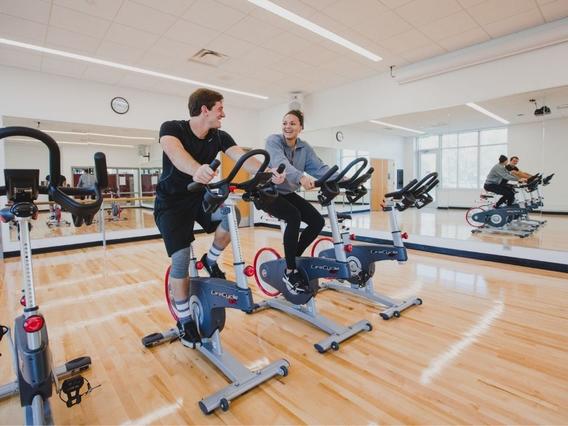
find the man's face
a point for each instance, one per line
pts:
(514, 161)
(215, 115)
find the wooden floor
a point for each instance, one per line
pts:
(488, 346)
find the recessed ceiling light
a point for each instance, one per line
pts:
(487, 113)
(124, 67)
(396, 127)
(309, 25)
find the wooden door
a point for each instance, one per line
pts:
(382, 181)
(227, 165)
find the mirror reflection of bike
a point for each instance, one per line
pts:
(36, 376)
(511, 220)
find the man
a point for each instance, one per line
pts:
(189, 147)
(512, 167)
(496, 182)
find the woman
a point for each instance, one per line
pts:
(298, 157)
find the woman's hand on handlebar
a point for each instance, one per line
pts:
(277, 178)
(204, 174)
(307, 182)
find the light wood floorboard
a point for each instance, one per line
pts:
(489, 344)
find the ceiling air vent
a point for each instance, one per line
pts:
(209, 57)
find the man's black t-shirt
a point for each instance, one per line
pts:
(173, 182)
(512, 168)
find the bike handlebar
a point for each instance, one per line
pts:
(80, 211)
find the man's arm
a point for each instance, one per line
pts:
(504, 174)
(184, 162)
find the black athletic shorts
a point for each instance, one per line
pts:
(176, 220)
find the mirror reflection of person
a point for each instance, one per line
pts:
(496, 182)
(514, 170)
(62, 180)
(86, 180)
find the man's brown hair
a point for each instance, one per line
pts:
(200, 98)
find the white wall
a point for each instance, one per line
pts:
(377, 144)
(35, 95)
(541, 147)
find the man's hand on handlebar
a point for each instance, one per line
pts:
(307, 182)
(277, 178)
(204, 174)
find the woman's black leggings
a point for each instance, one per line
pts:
(293, 209)
(508, 194)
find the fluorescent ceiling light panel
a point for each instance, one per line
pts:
(310, 26)
(62, 132)
(123, 67)
(394, 126)
(77, 143)
(488, 113)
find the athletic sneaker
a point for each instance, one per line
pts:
(213, 270)
(295, 282)
(188, 333)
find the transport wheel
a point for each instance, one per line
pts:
(224, 404)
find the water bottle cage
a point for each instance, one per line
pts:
(424, 200)
(212, 200)
(354, 195)
(328, 191)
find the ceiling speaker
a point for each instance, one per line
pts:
(296, 100)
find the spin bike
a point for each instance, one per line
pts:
(362, 258)
(210, 296)
(30, 348)
(510, 220)
(269, 270)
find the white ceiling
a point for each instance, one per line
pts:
(516, 109)
(267, 55)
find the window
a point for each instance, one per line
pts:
(346, 156)
(428, 142)
(493, 143)
(466, 157)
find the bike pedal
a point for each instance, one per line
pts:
(72, 388)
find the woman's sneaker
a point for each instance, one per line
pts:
(188, 334)
(295, 282)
